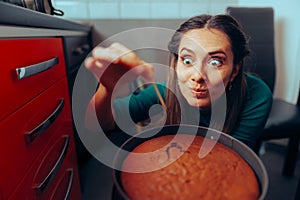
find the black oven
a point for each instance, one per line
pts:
(77, 48)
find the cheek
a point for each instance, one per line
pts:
(217, 77)
(217, 81)
(183, 74)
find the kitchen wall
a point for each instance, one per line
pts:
(114, 16)
(140, 9)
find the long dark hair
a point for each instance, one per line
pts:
(239, 44)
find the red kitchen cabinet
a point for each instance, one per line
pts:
(53, 176)
(28, 67)
(38, 159)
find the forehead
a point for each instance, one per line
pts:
(207, 40)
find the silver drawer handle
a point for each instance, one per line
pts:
(43, 185)
(70, 173)
(69, 185)
(30, 136)
(30, 70)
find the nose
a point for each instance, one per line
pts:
(199, 74)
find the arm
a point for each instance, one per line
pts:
(99, 104)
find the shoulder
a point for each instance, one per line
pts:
(254, 81)
(256, 87)
(258, 93)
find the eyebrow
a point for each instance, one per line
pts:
(209, 53)
(217, 52)
(188, 50)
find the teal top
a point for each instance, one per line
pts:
(249, 125)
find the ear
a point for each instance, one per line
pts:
(234, 72)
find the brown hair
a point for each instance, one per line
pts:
(239, 44)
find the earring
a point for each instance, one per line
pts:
(229, 86)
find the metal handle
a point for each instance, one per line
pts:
(81, 49)
(30, 136)
(69, 185)
(70, 173)
(43, 185)
(30, 70)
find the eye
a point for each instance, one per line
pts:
(187, 61)
(214, 62)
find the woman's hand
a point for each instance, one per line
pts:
(111, 63)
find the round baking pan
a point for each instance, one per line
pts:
(244, 151)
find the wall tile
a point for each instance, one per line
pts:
(134, 10)
(218, 8)
(188, 10)
(224, 1)
(164, 10)
(140, 9)
(104, 10)
(100, 1)
(73, 9)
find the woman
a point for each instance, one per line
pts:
(207, 54)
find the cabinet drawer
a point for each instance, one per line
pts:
(26, 132)
(28, 67)
(67, 184)
(64, 182)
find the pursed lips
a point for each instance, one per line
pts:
(200, 92)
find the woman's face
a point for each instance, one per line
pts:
(204, 66)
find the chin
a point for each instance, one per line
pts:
(199, 104)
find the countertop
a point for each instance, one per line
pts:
(16, 21)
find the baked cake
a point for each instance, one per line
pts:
(177, 172)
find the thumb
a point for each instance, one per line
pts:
(94, 66)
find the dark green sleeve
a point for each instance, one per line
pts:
(255, 111)
(138, 104)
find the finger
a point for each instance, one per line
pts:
(95, 66)
(89, 62)
(148, 72)
(121, 49)
(117, 53)
(105, 54)
(124, 56)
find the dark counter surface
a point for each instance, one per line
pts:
(18, 16)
